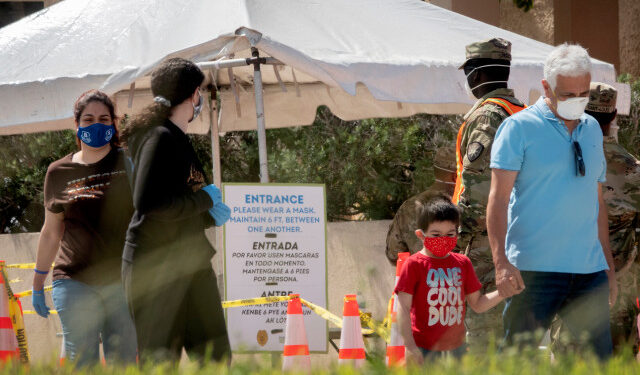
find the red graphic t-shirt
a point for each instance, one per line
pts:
(438, 287)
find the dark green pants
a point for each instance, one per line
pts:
(175, 303)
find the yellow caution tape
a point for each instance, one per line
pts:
(23, 266)
(387, 319)
(380, 329)
(18, 327)
(323, 313)
(376, 327)
(31, 312)
(15, 314)
(30, 292)
(329, 316)
(3, 275)
(254, 301)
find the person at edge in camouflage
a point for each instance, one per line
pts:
(621, 193)
(487, 68)
(401, 236)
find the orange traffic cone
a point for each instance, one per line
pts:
(296, 349)
(63, 354)
(395, 348)
(351, 342)
(8, 341)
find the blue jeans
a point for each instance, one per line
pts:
(88, 313)
(581, 301)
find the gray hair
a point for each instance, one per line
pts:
(569, 60)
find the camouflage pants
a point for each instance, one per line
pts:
(486, 328)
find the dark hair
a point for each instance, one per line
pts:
(603, 118)
(493, 73)
(100, 97)
(175, 80)
(439, 208)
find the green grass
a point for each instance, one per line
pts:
(526, 363)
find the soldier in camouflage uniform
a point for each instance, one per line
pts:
(621, 193)
(401, 236)
(487, 71)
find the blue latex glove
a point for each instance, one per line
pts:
(214, 193)
(220, 213)
(37, 300)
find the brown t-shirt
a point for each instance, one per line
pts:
(96, 202)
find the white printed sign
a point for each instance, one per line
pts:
(275, 245)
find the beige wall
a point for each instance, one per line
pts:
(536, 24)
(487, 11)
(590, 23)
(629, 22)
(356, 264)
(609, 29)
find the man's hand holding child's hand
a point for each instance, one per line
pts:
(508, 279)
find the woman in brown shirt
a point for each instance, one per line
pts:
(88, 208)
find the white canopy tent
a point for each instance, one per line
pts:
(361, 58)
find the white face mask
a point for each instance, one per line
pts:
(572, 108)
(470, 89)
(197, 108)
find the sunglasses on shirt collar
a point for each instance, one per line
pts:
(577, 152)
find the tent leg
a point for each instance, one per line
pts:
(215, 139)
(262, 137)
(218, 265)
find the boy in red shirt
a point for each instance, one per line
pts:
(434, 284)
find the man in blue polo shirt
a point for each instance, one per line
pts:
(546, 220)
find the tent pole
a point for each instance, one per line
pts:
(217, 263)
(215, 138)
(262, 137)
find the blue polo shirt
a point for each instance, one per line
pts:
(553, 212)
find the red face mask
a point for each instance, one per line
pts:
(440, 246)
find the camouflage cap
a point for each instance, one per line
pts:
(602, 98)
(495, 48)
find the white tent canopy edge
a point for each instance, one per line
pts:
(391, 51)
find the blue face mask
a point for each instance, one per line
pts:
(96, 135)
